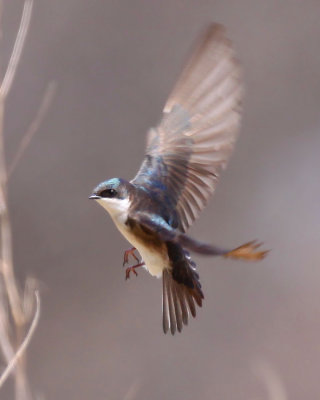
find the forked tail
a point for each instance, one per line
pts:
(181, 290)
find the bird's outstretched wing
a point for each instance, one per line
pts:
(187, 150)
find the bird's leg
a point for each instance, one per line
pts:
(247, 251)
(133, 269)
(126, 255)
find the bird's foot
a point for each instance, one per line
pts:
(247, 251)
(126, 255)
(133, 269)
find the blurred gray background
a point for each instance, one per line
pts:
(114, 63)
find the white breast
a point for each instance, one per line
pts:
(155, 262)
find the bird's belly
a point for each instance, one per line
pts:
(155, 258)
(155, 262)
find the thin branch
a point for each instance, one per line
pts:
(17, 49)
(33, 128)
(25, 342)
(5, 344)
(6, 237)
(7, 266)
(132, 391)
(14, 309)
(273, 383)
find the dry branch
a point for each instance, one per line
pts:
(33, 128)
(16, 307)
(17, 49)
(25, 342)
(271, 380)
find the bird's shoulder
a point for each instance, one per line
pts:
(152, 202)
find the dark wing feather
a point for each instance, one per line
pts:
(165, 305)
(166, 233)
(196, 135)
(178, 300)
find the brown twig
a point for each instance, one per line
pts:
(17, 49)
(6, 238)
(33, 128)
(6, 346)
(24, 344)
(16, 308)
(272, 381)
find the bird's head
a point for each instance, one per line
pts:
(113, 195)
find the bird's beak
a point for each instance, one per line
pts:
(94, 197)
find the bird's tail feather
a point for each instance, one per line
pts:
(180, 299)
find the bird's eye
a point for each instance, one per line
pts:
(108, 193)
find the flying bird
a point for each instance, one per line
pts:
(185, 154)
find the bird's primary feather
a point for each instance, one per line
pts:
(187, 150)
(184, 156)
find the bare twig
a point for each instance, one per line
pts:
(16, 307)
(6, 243)
(17, 49)
(33, 128)
(25, 342)
(272, 381)
(6, 346)
(132, 391)
(5, 228)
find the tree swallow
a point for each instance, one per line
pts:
(184, 156)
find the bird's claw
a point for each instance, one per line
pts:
(247, 251)
(126, 255)
(130, 269)
(133, 269)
